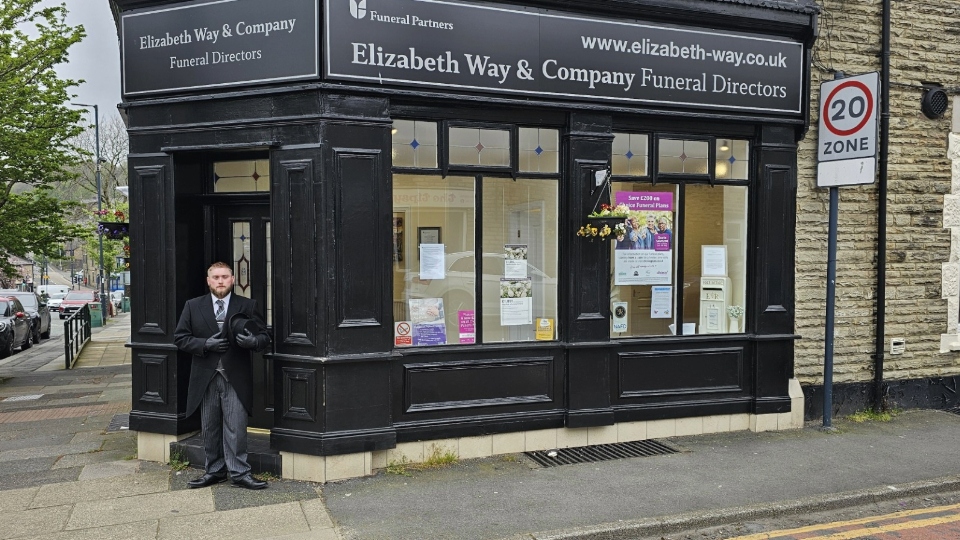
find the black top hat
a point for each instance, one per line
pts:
(237, 324)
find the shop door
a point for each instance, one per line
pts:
(243, 239)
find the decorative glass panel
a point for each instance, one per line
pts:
(733, 159)
(683, 157)
(268, 309)
(630, 154)
(241, 176)
(241, 258)
(487, 147)
(414, 144)
(539, 150)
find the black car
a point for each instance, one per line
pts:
(37, 308)
(14, 326)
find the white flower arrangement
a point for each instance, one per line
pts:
(735, 311)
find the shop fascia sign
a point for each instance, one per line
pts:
(219, 43)
(537, 52)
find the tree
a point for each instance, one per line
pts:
(36, 127)
(114, 147)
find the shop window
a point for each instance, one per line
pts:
(519, 268)
(645, 277)
(539, 150)
(680, 156)
(630, 154)
(414, 144)
(479, 147)
(241, 176)
(434, 282)
(733, 160)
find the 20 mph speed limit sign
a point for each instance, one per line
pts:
(848, 118)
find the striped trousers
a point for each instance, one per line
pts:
(224, 423)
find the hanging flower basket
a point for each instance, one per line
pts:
(113, 230)
(609, 221)
(606, 223)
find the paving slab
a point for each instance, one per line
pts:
(29, 465)
(14, 500)
(33, 522)
(140, 530)
(321, 534)
(100, 489)
(109, 469)
(140, 508)
(237, 524)
(40, 478)
(79, 460)
(55, 450)
(20, 442)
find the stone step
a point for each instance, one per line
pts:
(261, 457)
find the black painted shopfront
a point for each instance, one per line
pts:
(400, 184)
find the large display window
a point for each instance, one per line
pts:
(679, 265)
(475, 250)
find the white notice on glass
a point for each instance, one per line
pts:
(515, 261)
(431, 261)
(714, 260)
(661, 302)
(516, 302)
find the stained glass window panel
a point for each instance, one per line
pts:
(539, 150)
(241, 176)
(414, 144)
(630, 154)
(487, 147)
(683, 157)
(733, 159)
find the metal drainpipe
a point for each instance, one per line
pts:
(882, 209)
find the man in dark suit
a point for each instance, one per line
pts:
(221, 375)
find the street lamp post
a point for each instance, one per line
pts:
(96, 123)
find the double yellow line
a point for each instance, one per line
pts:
(868, 527)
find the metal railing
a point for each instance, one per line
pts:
(76, 334)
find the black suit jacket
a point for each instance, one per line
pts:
(197, 323)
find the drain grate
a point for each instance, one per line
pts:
(23, 398)
(600, 452)
(119, 422)
(954, 410)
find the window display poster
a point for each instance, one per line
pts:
(515, 261)
(642, 267)
(544, 330)
(649, 223)
(468, 326)
(713, 260)
(429, 323)
(661, 302)
(516, 302)
(619, 317)
(432, 261)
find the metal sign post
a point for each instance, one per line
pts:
(847, 155)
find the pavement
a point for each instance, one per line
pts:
(69, 470)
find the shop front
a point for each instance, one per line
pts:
(485, 228)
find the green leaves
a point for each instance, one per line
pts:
(36, 126)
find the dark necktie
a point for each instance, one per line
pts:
(221, 314)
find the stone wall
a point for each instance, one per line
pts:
(925, 41)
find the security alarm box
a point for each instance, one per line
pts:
(714, 299)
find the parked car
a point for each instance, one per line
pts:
(38, 311)
(53, 302)
(14, 326)
(74, 300)
(116, 298)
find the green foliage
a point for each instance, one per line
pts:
(438, 457)
(34, 222)
(178, 461)
(869, 415)
(36, 126)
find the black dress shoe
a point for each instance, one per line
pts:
(249, 482)
(206, 480)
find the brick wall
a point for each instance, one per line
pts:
(925, 42)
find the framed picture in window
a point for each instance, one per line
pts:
(428, 235)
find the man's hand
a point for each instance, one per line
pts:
(247, 340)
(216, 343)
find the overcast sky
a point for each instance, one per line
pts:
(96, 59)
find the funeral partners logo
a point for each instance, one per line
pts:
(358, 9)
